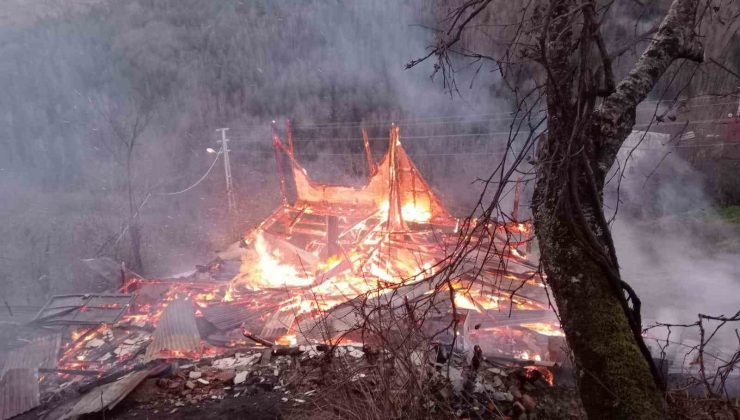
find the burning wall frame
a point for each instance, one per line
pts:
(372, 226)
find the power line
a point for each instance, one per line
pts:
(488, 133)
(465, 119)
(471, 118)
(150, 194)
(205, 175)
(482, 153)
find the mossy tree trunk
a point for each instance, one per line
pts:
(588, 120)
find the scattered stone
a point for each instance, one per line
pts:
(239, 360)
(529, 403)
(503, 396)
(417, 358)
(310, 351)
(266, 356)
(357, 376)
(190, 384)
(203, 381)
(240, 377)
(497, 371)
(356, 353)
(195, 374)
(226, 375)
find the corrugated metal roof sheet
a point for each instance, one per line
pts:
(108, 395)
(278, 324)
(226, 316)
(83, 309)
(19, 392)
(17, 314)
(42, 352)
(177, 334)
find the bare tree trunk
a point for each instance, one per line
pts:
(615, 374)
(134, 232)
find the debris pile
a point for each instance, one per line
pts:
(315, 273)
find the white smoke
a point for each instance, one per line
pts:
(672, 247)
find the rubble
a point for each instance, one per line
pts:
(259, 324)
(238, 360)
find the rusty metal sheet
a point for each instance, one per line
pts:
(225, 316)
(85, 309)
(40, 353)
(107, 396)
(177, 334)
(19, 392)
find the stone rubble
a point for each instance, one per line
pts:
(294, 379)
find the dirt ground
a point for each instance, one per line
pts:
(144, 404)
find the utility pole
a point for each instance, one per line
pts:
(227, 170)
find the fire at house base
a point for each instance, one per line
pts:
(333, 267)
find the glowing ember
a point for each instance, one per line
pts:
(229, 295)
(330, 262)
(552, 330)
(287, 340)
(461, 301)
(414, 213)
(545, 373)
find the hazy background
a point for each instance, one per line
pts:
(76, 75)
(79, 76)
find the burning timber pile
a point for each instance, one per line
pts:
(356, 275)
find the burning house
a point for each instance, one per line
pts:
(331, 265)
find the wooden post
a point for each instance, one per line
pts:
(332, 236)
(279, 161)
(368, 153)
